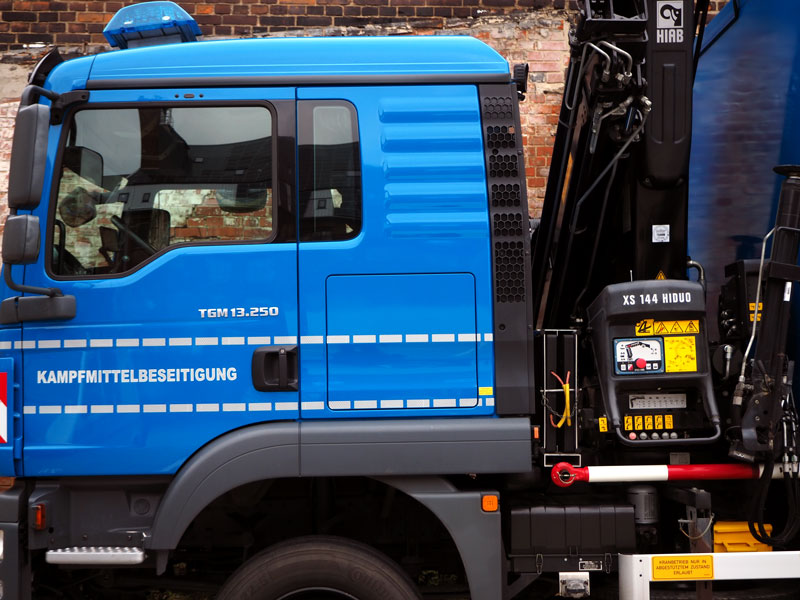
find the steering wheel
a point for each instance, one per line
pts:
(132, 235)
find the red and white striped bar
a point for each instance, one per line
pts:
(565, 474)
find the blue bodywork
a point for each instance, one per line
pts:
(746, 121)
(396, 322)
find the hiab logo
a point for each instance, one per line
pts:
(669, 22)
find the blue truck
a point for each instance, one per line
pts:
(276, 324)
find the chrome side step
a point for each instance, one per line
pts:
(95, 555)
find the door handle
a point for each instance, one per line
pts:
(274, 369)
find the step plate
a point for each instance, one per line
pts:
(95, 555)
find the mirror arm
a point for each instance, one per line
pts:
(31, 93)
(27, 289)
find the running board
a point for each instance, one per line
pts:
(95, 555)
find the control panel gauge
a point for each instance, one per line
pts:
(638, 355)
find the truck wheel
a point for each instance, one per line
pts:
(319, 568)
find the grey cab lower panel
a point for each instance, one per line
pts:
(338, 448)
(415, 447)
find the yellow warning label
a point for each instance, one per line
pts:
(485, 391)
(661, 275)
(638, 423)
(680, 355)
(752, 307)
(683, 568)
(648, 421)
(668, 421)
(628, 423)
(652, 327)
(659, 421)
(602, 423)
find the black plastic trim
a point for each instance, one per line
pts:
(42, 69)
(294, 80)
(511, 250)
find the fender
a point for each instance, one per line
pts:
(265, 451)
(363, 448)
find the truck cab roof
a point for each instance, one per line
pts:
(301, 61)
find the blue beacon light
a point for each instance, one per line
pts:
(150, 24)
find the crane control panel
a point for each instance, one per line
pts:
(650, 347)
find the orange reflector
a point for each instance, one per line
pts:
(490, 503)
(536, 432)
(39, 518)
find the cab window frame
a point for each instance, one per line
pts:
(273, 236)
(306, 166)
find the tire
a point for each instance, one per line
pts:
(319, 568)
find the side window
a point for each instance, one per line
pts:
(134, 181)
(330, 171)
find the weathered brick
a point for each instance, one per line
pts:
(314, 21)
(239, 20)
(276, 21)
(27, 5)
(70, 38)
(204, 9)
(16, 15)
(88, 17)
(208, 19)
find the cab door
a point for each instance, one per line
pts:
(171, 222)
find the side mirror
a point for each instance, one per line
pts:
(21, 240)
(28, 154)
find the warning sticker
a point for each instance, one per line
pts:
(603, 424)
(661, 276)
(752, 307)
(653, 327)
(680, 354)
(683, 568)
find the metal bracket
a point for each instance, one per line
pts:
(64, 100)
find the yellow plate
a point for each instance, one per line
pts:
(683, 568)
